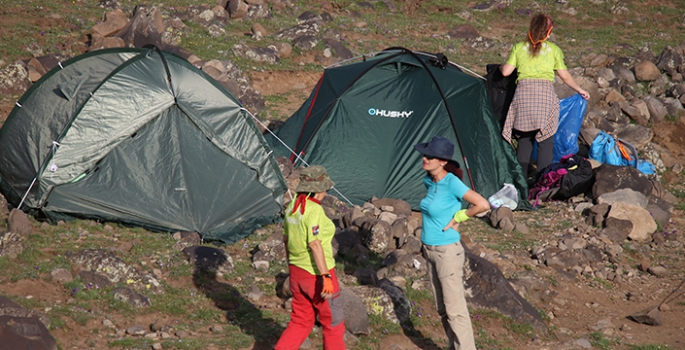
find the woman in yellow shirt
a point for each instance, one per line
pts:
(307, 234)
(534, 112)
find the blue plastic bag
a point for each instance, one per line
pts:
(571, 113)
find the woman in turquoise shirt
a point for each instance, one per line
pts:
(441, 212)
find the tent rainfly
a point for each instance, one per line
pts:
(362, 120)
(139, 137)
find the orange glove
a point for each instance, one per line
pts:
(327, 290)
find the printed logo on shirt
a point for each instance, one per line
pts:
(315, 230)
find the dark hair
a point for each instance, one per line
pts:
(308, 194)
(540, 28)
(452, 167)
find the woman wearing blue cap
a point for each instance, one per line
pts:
(441, 211)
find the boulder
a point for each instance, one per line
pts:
(21, 328)
(14, 79)
(646, 71)
(115, 269)
(643, 224)
(114, 21)
(356, 316)
(486, 287)
(609, 178)
(19, 223)
(130, 297)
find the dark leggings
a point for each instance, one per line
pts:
(525, 150)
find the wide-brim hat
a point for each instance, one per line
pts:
(437, 147)
(314, 179)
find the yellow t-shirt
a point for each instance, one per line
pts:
(302, 229)
(549, 59)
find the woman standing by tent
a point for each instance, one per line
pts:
(307, 234)
(534, 111)
(441, 212)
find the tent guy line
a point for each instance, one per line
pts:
(293, 152)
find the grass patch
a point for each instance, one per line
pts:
(672, 118)
(552, 280)
(176, 301)
(383, 326)
(649, 347)
(678, 193)
(566, 223)
(602, 283)
(518, 328)
(679, 206)
(78, 313)
(416, 295)
(598, 340)
(82, 291)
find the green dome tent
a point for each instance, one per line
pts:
(141, 137)
(363, 119)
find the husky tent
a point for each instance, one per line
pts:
(362, 120)
(140, 137)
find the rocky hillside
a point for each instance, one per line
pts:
(589, 271)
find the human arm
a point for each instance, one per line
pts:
(506, 69)
(567, 78)
(285, 243)
(320, 261)
(478, 205)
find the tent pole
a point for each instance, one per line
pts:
(27, 193)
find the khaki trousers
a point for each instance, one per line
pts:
(446, 271)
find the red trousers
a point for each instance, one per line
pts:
(307, 304)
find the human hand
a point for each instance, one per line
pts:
(460, 216)
(452, 225)
(327, 290)
(584, 93)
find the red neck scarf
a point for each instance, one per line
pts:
(301, 201)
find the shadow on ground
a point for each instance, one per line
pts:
(239, 310)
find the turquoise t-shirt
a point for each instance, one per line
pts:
(443, 199)
(549, 59)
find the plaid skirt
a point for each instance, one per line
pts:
(535, 107)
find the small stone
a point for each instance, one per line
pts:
(135, 330)
(658, 271)
(157, 325)
(644, 265)
(665, 307)
(261, 265)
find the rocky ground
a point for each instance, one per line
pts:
(582, 309)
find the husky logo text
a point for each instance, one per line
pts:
(390, 114)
